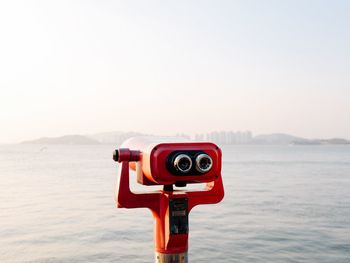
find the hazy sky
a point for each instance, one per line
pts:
(69, 67)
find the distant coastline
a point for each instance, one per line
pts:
(221, 138)
(65, 140)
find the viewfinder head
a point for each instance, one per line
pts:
(165, 162)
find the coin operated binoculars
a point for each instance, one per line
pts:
(169, 164)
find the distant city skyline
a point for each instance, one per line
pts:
(161, 67)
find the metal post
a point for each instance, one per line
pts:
(171, 258)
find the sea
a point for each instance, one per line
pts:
(282, 204)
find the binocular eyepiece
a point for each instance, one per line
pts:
(203, 163)
(183, 162)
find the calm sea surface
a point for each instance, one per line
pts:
(282, 204)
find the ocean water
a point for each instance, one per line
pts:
(282, 204)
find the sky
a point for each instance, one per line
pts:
(166, 67)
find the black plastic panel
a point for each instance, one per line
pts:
(192, 154)
(178, 216)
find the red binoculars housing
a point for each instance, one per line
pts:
(160, 162)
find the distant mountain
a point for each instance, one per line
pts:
(115, 137)
(67, 139)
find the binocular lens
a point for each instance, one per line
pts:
(183, 163)
(203, 163)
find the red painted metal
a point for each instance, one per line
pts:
(154, 172)
(154, 158)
